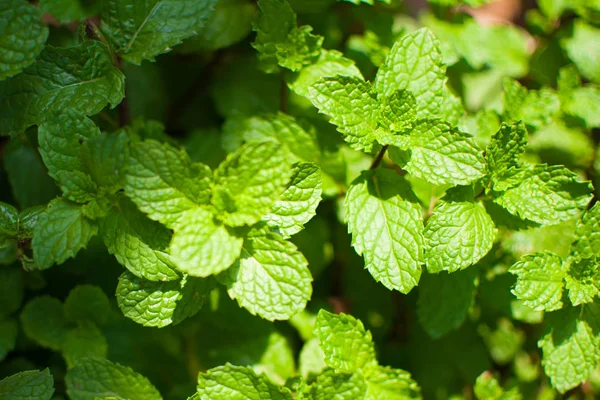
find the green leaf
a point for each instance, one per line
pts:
(535, 108)
(104, 159)
(43, 320)
(330, 64)
(60, 233)
(352, 105)
(543, 194)
(84, 341)
(385, 383)
(505, 148)
(540, 280)
(28, 385)
(60, 139)
(587, 233)
(581, 48)
(141, 31)
(230, 23)
(442, 154)
(276, 21)
(229, 382)
(583, 280)
(11, 291)
(138, 243)
(387, 228)
(271, 278)
(444, 301)
(23, 36)
(87, 303)
(9, 224)
(249, 182)
(160, 303)
(571, 349)
(58, 80)
(331, 385)
(92, 378)
(202, 246)
(580, 103)
(164, 182)
(488, 388)
(458, 234)
(415, 63)
(301, 48)
(9, 329)
(347, 345)
(299, 201)
(398, 113)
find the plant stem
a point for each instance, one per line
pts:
(378, 157)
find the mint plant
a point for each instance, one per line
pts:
(284, 199)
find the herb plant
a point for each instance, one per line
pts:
(298, 199)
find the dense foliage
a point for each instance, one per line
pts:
(298, 199)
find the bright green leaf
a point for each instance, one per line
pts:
(271, 278)
(387, 228)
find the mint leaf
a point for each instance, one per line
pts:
(340, 386)
(202, 245)
(231, 382)
(330, 64)
(535, 108)
(138, 243)
(444, 301)
(60, 233)
(441, 154)
(28, 385)
(60, 139)
(583, 280)
(458, 234)
(347, 345)
(92, 378)
(249, 182)
(23, 36)
(540, 280)
(571, 347)
(387, 228)
(300, 48)
(271, 278)
(87, 303)
(385, 383)
(58, 80)
(276, 21)
(488, 388)
(163, 182)
(580, 48)
(544, 194)
(298, 202)
(43, 320)
(160, 303)
(84, 341)
(104, 159)
(228, 24)
(142, 31)
(9, 224)
(587, 234)
(505, 148)
(352, 105)
(398, 113)
(415, 64)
